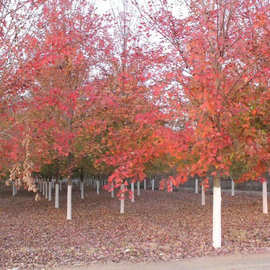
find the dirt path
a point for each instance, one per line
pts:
(232, 262)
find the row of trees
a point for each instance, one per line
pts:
(121, 94)
(75, 99)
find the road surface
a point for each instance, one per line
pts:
(231, 262)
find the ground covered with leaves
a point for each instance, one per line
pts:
(159, 226)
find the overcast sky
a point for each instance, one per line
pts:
(105, 5)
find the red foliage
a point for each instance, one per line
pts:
(75, 91)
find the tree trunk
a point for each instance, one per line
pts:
(122, 201)
(56, 204)
(60, 186)
(43, 188)
(138, 188)
(50, 191)
(203, 195)
(14, 190)
(144, 184)
(153, 184)
(40, 185)
(69, 202)
(217, 213)
(82, 183)
(264, 194)
(46, 189)
(196, 186)
(132, 190)
(82, 189)
(98, 185)
(112, 192)
(233, 191)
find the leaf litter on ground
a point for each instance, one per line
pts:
(159, 226)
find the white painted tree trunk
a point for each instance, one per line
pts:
(43, 188)
(40, 186)
(14, 190)
(144, 184)
(216, 213)
(153, 184)
(60, 186)
(264, 194)
(46, 190)
(98, 185)
(196, 186)
(132, 190)
(56, 203)
(50, 191)
(122, 201)
(69, 201)
(138, 188)
(82, 189)
(233, 188)
(112, 192)
(203, 195)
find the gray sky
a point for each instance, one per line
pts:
(178, 6)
